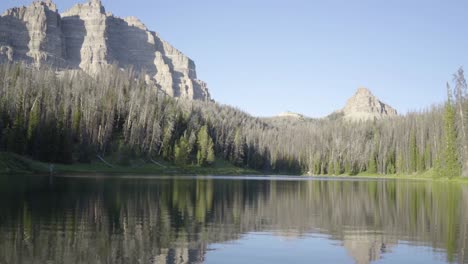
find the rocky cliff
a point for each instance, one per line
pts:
(86, 37)
(363, 105)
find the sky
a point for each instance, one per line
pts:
(309, 56)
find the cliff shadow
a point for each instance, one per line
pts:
(74, 32)
(14, 40)
(129, 46)
(54, 43)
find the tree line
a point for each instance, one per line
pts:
(69, 117)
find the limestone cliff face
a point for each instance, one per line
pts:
(363, 105)
(32, 34)
(84, 27)
(86, 37)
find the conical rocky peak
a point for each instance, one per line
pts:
(362, 91)
(363, 105)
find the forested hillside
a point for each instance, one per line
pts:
(70, 117)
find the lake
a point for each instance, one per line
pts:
(137, 219)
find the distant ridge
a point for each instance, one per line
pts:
(288, 114)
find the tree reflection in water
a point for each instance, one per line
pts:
(117, 220)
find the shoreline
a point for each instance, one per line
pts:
(424, 176)
(16, 164)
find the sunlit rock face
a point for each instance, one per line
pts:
(86, 37)
(363, 105)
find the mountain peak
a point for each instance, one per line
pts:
(363, 91)
(97, 5)
(364, 105)
(48, 2)
(90, 7)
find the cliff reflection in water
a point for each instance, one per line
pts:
(72, 220)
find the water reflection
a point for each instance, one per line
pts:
(83, 220)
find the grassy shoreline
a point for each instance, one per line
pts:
(423, 176)
(16, 164)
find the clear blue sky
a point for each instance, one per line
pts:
(309, 56)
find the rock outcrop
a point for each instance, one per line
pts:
(363, 105)
(32, 34)
(86, 37)
(292, 115)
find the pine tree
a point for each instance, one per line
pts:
(238, 151)
(337, 168)
(76, 123)
(413, 152)
(452, 167)
(347, 168)
(210, 156)
(400, 164)
(34, 119)
(390, 168)
(461, 108)
(181, 151)
(330, 168)
(427, 156)
(372, 165)
(32, 130)
(205, 154)
(17, 141)
(438, 172)
(65, 152)
(167, 141)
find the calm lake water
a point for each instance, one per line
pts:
(231, 220)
